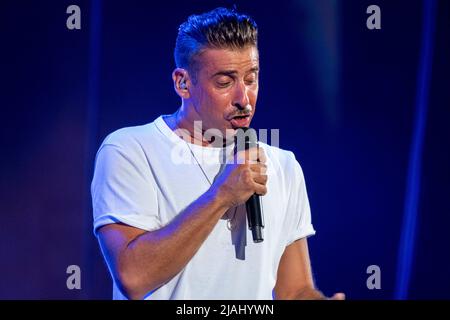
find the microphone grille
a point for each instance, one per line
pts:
(245, 138)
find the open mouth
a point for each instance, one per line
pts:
(240, 121)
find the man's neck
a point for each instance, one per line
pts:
(180, 120)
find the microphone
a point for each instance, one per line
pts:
(246, 138)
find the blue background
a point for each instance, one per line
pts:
(353, 104)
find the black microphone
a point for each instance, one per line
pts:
(246, 138)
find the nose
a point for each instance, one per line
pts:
(241, 99)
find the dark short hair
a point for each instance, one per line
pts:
(220, 28)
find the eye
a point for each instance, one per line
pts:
(251, 79)
(223, 84)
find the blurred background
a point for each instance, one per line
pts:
(365, 111)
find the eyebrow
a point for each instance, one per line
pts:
(232, 72)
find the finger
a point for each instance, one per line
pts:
(338, 296)
(253, 155)
(241, 157)
(261, 155)
(260, 178)
(260, 189)
(247, 156)
(259, 168)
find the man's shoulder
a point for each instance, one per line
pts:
(130, 136)
(284, 163)
(281, 156)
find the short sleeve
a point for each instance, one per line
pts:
(298, 222)
(122, 189)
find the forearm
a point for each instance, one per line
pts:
(310, 293)
(306, 293)
(155, 257)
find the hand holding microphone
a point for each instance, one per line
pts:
(244, 180)
(246, 139)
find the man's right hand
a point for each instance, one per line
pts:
(243, 177)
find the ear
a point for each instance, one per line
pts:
(181, 82)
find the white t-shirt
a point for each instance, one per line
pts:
(146, 175)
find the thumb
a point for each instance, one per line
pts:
(338, 296)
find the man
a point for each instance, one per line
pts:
(173, 229)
